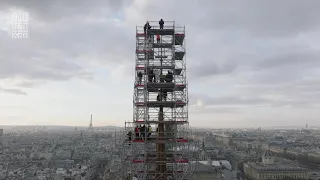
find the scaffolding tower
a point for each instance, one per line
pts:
(158, 140)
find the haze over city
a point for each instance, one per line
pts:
(249, 63)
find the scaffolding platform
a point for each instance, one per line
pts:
(167, 87)
(162, 45)
(157, 67)
(164, 87)
(178, 38)
(167, 104)
(161, 122)
(161, 57)
(161, 32)
(175, 71)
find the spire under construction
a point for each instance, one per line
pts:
(158, 142)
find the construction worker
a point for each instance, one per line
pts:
(162, 77)
(169, 76)
(145, 27)
(150, 75)
(129, 137)
(165, 94)
(143, 131)
(156, 73)
(161, 23)
(140, 77)
(158, 38)
(149, 131)
(136, 130)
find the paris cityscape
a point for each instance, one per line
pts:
(150, 90)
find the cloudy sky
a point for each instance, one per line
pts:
(250, 63)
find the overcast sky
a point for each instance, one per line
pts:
(250, 63)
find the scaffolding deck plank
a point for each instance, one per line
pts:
(162, 45)
(161, 57)
(166, 104)
(161, 122)
(165, 88)
(161, 85)
(155, 67)
(161, 31)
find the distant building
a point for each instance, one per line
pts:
(268, 169)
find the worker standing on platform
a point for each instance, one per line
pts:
(136, 130)
(145, 27)
(158, 38)
(140, 77)
(165, 94)
(161, 23)
(143, 132)
(169, 76)
(149, 131)
(150, 75)
(156, 75)
(129, 137)
(162, 78)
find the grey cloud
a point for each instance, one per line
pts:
(56, 50)
(260, 99)
(302, 92)
(265, 18)
(13, 91)
(59, 9)
(214, 110)
(211, 69)
(300, 60)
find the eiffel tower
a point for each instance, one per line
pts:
(90, 125)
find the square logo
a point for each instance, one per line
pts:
(20, 23)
